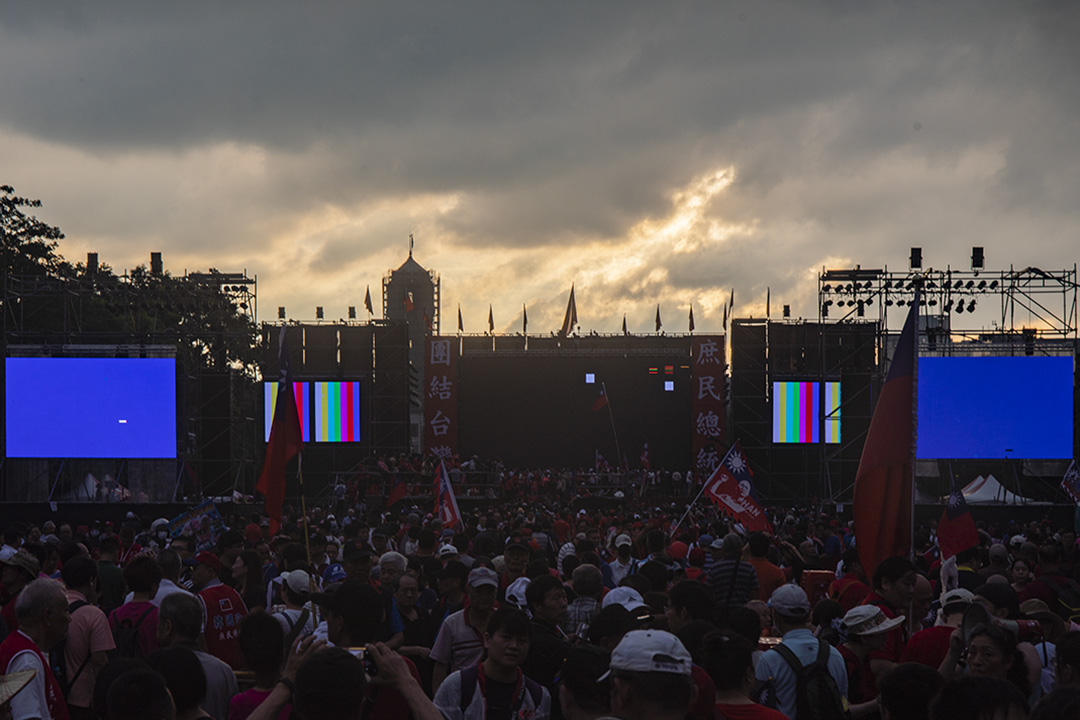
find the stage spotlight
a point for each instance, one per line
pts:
(888, 284)
(828, 302)
(848, 288)
(922, 303)
(869, 285)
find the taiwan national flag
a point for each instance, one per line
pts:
(286, 440)
(731, 489)
(956, 529)
(397, 492)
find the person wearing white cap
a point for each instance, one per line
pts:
(797, 649)
(624, 563)
(650, 677)
(864, 628)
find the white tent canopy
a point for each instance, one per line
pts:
(987, 490)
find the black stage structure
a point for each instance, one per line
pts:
(974, 312)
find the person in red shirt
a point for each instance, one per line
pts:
(728, 658)
(44, 621)
(930, 646)
(769, 576)
(223, 609)
(865, 628)
(262, 640)
(851, 589)
(19, 569)
(894, 588)
(143, 576)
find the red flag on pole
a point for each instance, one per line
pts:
(956, 530)
(446, 507)
(397, 492)
(883, 482)
(731, 489)
(286, 440)
(601, 400)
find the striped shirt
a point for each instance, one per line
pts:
(733, 582)
(458, 644)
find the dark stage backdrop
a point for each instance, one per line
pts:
(538, 411)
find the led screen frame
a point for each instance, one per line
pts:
(90, 408)
(995, 407)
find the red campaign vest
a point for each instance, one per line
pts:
(223, 609)
(16, 643)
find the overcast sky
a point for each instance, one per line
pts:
(650, 152)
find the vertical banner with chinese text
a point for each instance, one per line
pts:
(708, 413)
(440, 397)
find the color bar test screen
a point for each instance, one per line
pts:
(802, 409)
(337, 411)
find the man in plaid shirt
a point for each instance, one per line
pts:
(588, 584)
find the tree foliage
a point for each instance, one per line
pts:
(55, 297)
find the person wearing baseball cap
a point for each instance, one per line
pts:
(516, 555)
(223, 608)
(798, 648)
(624, 563)
(460, 642)
(650, 674)
(930, 645)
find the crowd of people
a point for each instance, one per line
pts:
(533, 611)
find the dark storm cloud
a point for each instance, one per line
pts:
(854, 131)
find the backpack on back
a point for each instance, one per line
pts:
(56, 658)
(126, 636)
(817, 696)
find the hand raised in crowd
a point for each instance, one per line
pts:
(302, 649)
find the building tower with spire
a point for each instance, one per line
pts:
(410, 295)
